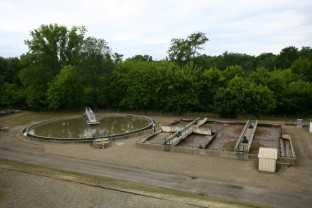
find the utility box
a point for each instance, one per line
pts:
(267, 159)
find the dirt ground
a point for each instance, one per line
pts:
(18, 189)
(290, 179)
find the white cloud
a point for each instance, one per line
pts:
(146, 27)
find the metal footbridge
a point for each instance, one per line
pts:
(91, 120)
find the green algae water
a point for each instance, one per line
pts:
(77, 128)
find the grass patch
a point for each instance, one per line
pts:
(130, 187)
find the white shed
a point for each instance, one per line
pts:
(267, 159)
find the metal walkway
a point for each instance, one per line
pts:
(91, 117)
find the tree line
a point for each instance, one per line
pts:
(64, 69)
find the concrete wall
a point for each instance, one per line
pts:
(218, 153)
(286, 161)
(134, 134)
(228, 154)
(213, 153)
(169, 129)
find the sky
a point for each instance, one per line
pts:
(146, 27)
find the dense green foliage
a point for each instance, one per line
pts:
(183, 51)
(63, 69)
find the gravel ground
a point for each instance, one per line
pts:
(27, 190)
(195, 141)
(227, 134)
(267, 136)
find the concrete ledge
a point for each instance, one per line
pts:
(132, 134)
(213, 153)
(291, 145)
(286, 161)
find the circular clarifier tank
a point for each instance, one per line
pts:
(74, 128)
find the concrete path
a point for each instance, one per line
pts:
(246, 194)
(248, 134)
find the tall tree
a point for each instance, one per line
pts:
(183, 51)
(209, 83)
(242, 96)
(266, 60)
(306, 52)
(287, 56)
(298, 98)
(231, 72)
(3, 70)
(56, 45)
(51, 47)
(96, 64)
(303, 68)
(117, 58)
(66, 89)
(11, 92)
(141, 58)
(232, 59)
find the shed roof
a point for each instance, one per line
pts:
(270, 153)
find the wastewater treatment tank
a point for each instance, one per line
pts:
(74, 128)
